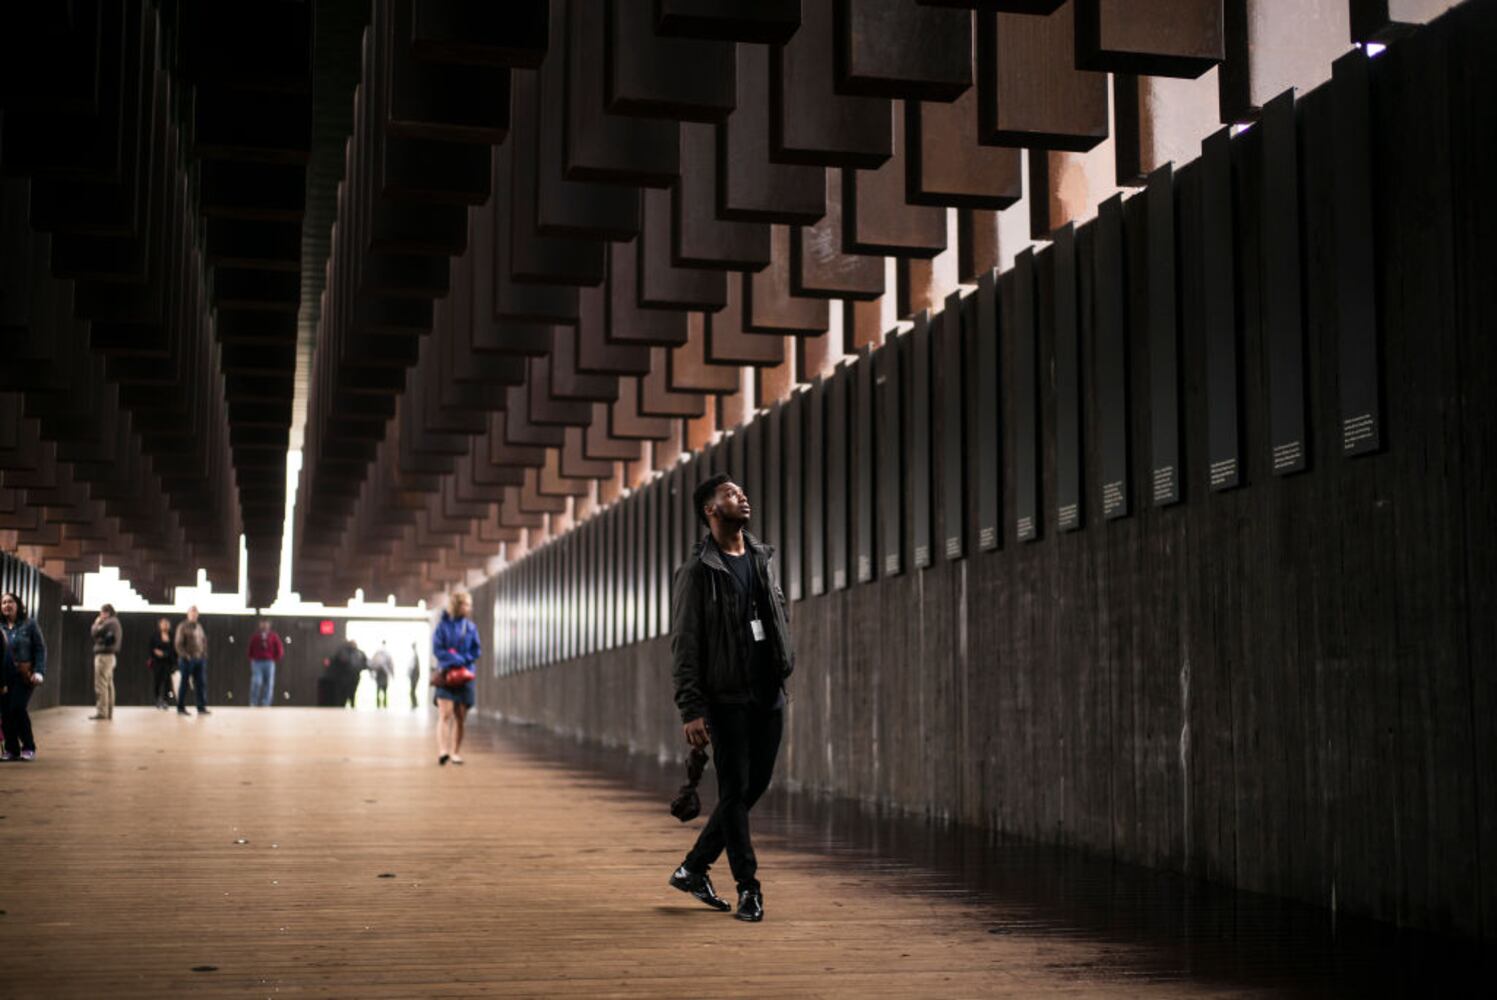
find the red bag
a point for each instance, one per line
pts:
(457, 676)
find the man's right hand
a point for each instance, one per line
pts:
(696, 732)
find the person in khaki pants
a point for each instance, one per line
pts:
(106, 633)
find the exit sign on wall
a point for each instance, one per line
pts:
(325, 627)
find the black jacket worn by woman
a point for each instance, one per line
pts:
(163, 652)
(711, 659)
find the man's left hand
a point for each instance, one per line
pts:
(696, 732)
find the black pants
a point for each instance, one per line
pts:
(161, 671)
(745, 742)
(14, 718)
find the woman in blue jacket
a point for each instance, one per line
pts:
(24, 664)
(455, 648)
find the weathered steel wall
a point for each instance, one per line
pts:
(1284, 686)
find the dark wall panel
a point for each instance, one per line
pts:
(665, 531)
(1217, 261)
(951, 384)
(986, 401)
(813, 476)
(592, 603)
(639, 513)
(1067, 347)
(576, 587)
(865, 482)
(737, 465)
(659, 557)
(1023, 389)
(918, 441)
(791, 445)
(612, 592)
(753, 472)
(1163, 337)
(889, 380)
(1360, 382)
(691, 527)
(1108, 320)
(1283, 328)
(555, 597)
(839, 445)
(773, 501)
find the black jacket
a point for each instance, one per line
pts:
(710, 658)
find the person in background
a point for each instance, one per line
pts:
(192, 655)
(455, 648)
(106, 634)
(413, 673)
(265, 652)
(162, 662)
(381, 666)
(348, 666)
(22, 666)
(357, 664)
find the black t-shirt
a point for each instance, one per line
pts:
(743, 571)
(755, 604)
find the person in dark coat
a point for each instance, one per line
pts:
(348, 666)
(23, 665)
(163, 661)
(731, 656)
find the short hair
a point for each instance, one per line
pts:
(108, 609)
(705, 491)
(458, 597)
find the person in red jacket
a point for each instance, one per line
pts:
(265, 651)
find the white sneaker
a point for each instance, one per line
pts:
(5, 755)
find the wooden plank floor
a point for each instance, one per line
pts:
(367, 871)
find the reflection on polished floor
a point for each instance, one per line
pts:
(302, 852)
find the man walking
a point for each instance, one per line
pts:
(192, 657)
(265, 652)
(731, 655)
(106, 634)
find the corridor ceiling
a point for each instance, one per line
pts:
(475, 257)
